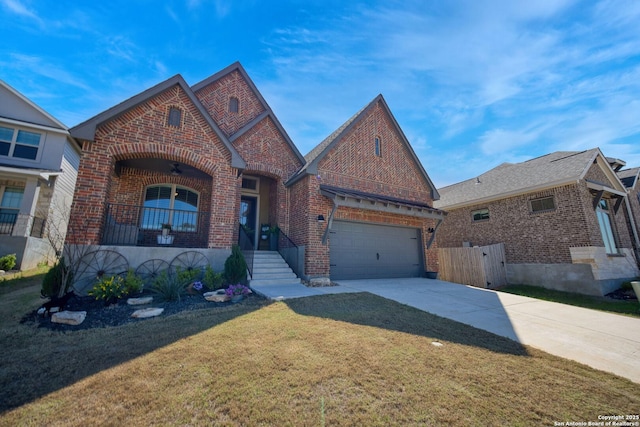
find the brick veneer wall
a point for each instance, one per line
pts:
(352, 164)
(544, 237)
(263, 147)
(215, 98)
(142, 132)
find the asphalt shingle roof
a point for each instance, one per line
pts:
(514, 178)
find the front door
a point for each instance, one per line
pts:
(249, 216)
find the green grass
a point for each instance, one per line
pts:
(630, 308)
(352, 359)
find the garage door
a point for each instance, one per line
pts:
(365, 251)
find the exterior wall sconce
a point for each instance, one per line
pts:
(320, 218)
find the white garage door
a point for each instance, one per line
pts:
(366, 251)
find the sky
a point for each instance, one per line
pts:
(472, 83)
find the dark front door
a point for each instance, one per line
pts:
(248, 215)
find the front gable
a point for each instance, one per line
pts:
(370, 153)
(144, 105)
(236, 105)
(145, 130)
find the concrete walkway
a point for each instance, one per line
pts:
(604, 341)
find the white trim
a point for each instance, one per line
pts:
(34, 126)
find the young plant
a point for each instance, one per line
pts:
(109, 288)
(52, 282)
(7, 262)
(235, 267)
(133, 283)
(211, 279)
(168, 287)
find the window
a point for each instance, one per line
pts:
(480, 215)
(175, 117)
(604, 221)
(10, 204)
(377, 144)
(542, 205)
(170, 204)
(250, 184)
(234, 104)
(19, 143)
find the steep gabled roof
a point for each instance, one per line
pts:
(87, 129)
(38, 116)
(510, 179)
(629, 177)
(236, 66)
(314, 157)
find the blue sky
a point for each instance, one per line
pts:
(472, 83)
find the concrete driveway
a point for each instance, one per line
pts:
(604, 341)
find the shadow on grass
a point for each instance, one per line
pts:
(372, 310)
(38, 361)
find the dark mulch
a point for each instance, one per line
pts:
(622, 294)
(100, 315)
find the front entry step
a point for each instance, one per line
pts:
(269, 268)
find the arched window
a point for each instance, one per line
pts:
(377, 146)
(234, 104)
(170, 204)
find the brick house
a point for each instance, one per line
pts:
(563, 218)
(630, 179)
(213, 163)
(38, 169)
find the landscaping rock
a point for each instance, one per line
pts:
(144, 313)
(69, 317)
(140, 301)
(216, 296)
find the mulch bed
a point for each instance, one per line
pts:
(100, 315)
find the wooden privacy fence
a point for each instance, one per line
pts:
(481, 266)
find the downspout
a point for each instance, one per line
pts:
(634, 229)
(329, 222)
(433, 235)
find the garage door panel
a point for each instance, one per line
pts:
(364, 250)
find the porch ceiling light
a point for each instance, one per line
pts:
(320, 218)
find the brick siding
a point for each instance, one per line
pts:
(352, 163)
(544, 237)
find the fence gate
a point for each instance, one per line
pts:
(482, 266)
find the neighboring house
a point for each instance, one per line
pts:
(213, 162)
(630, 178)
(563, 219)
(38, 168)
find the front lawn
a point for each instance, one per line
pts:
(350, 359)
(630, 307)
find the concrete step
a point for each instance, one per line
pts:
(263, 282)
(283, 269)
(289, 275)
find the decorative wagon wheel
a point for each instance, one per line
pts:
(191, 263)
(95, 265)
(151, 269)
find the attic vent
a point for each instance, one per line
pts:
(175, 117)
(233, 104)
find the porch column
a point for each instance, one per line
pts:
(22, 228)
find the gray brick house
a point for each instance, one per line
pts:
(565, 218)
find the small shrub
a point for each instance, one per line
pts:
(52, 280)
(235, 267)
(109, 288)
(211, 279)
(167, 287)
(187, 275)
(132, 283)
(7, 262)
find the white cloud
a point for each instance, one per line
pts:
(19, 8)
